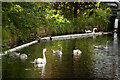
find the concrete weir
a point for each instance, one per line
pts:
(79, 35)
(58, 38)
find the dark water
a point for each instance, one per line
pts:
(90, 64)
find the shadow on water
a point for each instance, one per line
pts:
(90, 64)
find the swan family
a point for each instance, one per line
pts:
(18, 55)
(76, 52)
(57, 52)
(43, 60)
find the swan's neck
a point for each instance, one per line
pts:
(61, 49)
(93, 30)
(44, 55)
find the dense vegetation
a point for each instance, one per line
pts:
(22, 21)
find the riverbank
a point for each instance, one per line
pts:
(46, 19)
(58, 38)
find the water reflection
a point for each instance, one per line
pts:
(0, 55)
(58, 57)
(90, 64)
(106, 62)
(94, 36)
(40, 67)
(116, 59)
(76, 57)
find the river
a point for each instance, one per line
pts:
(90, 64)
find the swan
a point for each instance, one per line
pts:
(57, 52)
(41, 60)
(23, 56)
(14, 54)
(94, 30)
(101, 47)
(89, 31)
(77, 52)
(101, 33)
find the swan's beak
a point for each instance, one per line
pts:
(47, 50)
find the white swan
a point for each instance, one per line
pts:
(23, 56)
(101, 47)
(101, 33)
(77, 52)
(41, 60)
(94, 30)
(57, 52)
(89, 31)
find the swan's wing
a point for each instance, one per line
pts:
(88, 31)
(79, 52)
(60, 53)
(40, 60)
(74, 51)
(57, 52)
(95, 46)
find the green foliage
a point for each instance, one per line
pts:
(57, 18)
(72, 9)
(20, 20)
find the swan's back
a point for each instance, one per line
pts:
(14, 54)
(57, 52)
(99, 47)
(40, 61)
(77, 52)
(88, 31)
(23, 56)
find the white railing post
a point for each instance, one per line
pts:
(116, 25)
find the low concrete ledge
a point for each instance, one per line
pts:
(45, 38)
(79, 35)
(20, 47)
(58, 38)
